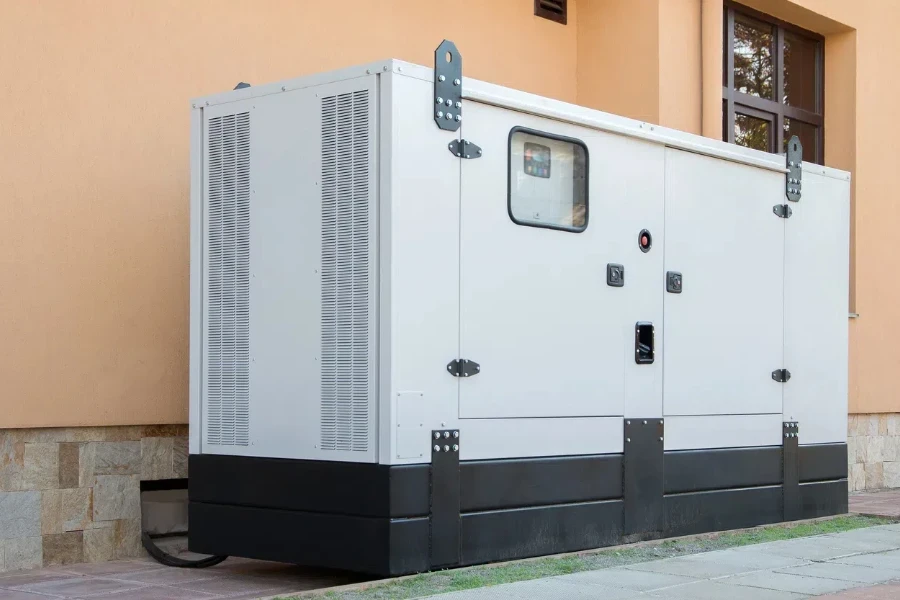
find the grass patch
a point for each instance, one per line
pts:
(440, 582)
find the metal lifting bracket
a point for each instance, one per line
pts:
(447, 86)
(794, 178)
(782, 210)
(462, 367)
(464, 149)
(781, 375)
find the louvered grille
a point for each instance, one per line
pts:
(345, 272)
(228, 281)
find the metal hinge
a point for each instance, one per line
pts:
(462, 367)
(781, 375)
(447, 86)
(793, 181)
(464, 149)
(782, 210)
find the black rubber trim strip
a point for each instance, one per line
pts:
(524, 532)
(791, 471)
(362, 489)
(720, 510)
(375, 545)
(823, 499)
(822, 462)
(726, 468)
(521, 482)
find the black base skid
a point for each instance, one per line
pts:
(394, 520)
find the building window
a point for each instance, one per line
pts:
(772, 84)
(548, 180)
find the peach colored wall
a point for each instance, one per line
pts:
(618, 57)
(94, 167)
(680, 65)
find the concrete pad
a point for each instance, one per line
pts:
(798, 584)
(714, 590)
(876, 561)
(684, 567)
(813, 548)
(857, 573)
(543, 589)
(748, 561)
(642, 581)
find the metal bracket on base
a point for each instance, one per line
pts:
(782, 210)
(794, 178)
(444, 514)
(447, 86)
(462, 367)
(642, 477)
(790, 464)
(781, 375)
(464, 149)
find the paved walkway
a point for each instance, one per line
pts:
(842, 564)
(146, 579)
(885, 503)
(785, 570)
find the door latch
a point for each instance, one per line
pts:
(781, 375)
(463, 367)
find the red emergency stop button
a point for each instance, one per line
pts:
(645, 240)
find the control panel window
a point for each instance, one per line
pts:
(547, 180)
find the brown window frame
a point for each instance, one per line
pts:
(773, 111)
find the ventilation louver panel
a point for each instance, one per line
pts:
(228, 281)
(345, 272)
(555, 10)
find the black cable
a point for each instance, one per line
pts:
(173, 561)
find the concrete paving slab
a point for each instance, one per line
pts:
(544, 589)
(688, 568)
(785, 582)
(748, 561)
(857, 573)
(714, 590)
(813, 548)
(642, 581)
(880, 560)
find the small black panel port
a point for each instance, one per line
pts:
(643, 343)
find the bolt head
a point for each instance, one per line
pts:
(660, 439)
(448, 116)
(283, 88)
(437, 435)
(628, 422)
(479, 152)
(627, 439)
(193, 106)
(437, 448)
(456, 82)
(458, 118)
(446, 448)
(459, 105)
(645, 422)
(449, 102)
(439, 100)
(440, 115)
(446, 434)
(384, 68)
(441, 78)
(455, 448)
(456, 434)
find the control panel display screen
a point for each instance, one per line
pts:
(537, 160)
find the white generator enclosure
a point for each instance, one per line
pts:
(433, 319)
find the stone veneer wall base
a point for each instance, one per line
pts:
(72, 494)
(873, 451)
